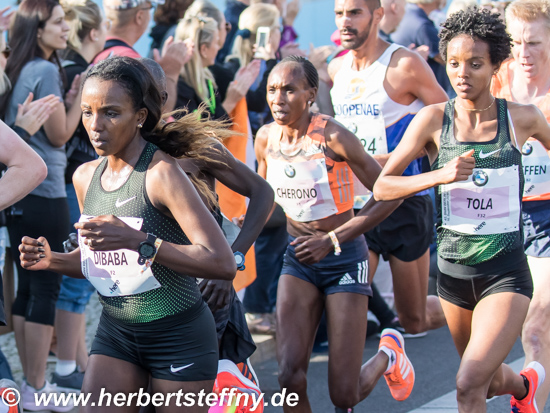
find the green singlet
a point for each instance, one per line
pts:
(177, 292)
(479, 220)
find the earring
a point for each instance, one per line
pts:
(140, 125)
(309, 102)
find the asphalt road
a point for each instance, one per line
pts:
(435, 361)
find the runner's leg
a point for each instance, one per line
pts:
(484, 338)
(174, 388)
(416, 311)
(114, 376)
(349, 382)
(536, 329)
(299, 309)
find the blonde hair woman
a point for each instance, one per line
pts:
(197, 84)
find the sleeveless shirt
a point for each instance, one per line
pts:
(479, 219)
(308, 185)
(362, 105)
(127, 292)
(536, 163)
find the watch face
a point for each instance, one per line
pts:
(146, 250)
(238, 259)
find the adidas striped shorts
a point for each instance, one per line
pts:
(346, 273)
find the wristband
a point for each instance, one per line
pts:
(337, 249)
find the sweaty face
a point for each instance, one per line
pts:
(469, 66)
(530, 47)
(354, 20)
(109, 116)
(288, 94)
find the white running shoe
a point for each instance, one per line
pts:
(44, 399)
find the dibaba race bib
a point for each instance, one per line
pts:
(116, 273)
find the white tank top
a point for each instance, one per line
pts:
(362, 105)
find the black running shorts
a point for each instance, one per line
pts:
(407, 233)
(467, 292)
(182, 347)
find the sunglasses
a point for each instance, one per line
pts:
(6, 52)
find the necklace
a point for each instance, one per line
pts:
(476, 110)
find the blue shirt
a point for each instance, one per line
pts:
(417, 28)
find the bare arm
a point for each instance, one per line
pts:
(26, 170)
(209, 256)
(240, 178)
(419, 135)
(36, 253)
(348, 147)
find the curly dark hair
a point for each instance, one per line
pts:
(479, 24)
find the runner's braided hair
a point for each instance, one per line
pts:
(309, 70)
(479, 24)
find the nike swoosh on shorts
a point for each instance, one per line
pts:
(176, 369)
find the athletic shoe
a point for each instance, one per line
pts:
(29, 402)
(10, 395)
(534, 373)
(229, 379)
(71, 383)
(248, 372)
(396, 325)
(400, 377)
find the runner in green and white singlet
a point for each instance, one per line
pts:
(472, 142)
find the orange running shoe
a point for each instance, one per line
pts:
(534, 373)
(400, 377)
(232, 386)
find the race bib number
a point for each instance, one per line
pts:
(116, 273)
(536, 169)
(487, 203)
(302, 189)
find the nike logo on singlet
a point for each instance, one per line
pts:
(485, 155)
(118, 203)
(176, 369)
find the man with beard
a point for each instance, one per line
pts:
(378, 89)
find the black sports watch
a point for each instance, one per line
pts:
(239, 260)
(147, 249)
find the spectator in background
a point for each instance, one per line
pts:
(166, 19)
(38, 31)
(394, 10)
(204, 25)
(130, 19)
(417, 28)
(457, 5)
(254, 17)
(232, 14)
(87, 34)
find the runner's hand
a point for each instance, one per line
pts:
(216, 293)
(35, 254)
(459, 169)
(108, 233)
(311, 249)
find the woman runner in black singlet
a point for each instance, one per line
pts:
(472, 141)
(143, 235)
